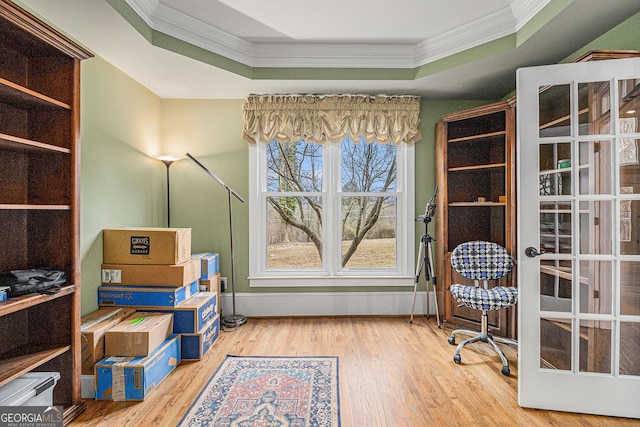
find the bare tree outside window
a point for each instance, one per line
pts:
(295, 207)
(294, 216)
(368, 223)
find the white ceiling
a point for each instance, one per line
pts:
(259, 46)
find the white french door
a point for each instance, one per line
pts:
(579, 237)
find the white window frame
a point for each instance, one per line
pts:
(334, 275)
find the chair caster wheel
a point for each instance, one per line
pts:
(506, 371)
(452, 340)
(457, 358)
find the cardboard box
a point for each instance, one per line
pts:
(191, 316)
(145, 296)
(138, 334)
(166, 246)
(134, 378)
(175, 275)
(104, 314)
(194, 346)
(211, 285)
(210, 264)
(93, 328)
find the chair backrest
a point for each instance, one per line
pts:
(480, 260)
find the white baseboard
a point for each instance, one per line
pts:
(260, 304)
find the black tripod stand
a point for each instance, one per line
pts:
(425, 258)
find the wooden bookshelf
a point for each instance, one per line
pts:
(39, 199)
(475, 174)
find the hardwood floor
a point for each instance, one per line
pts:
(391, 374)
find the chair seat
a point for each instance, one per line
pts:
(480, 298)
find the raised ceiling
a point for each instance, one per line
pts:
(228, 49)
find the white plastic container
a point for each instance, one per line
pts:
(87, 387)
(30, 389)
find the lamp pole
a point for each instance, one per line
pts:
(168, 163)
(168, 160)
(235, 319)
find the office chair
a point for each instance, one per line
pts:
(482, 262)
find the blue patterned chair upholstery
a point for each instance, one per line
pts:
(482, 262)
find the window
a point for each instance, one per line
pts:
(332, 214)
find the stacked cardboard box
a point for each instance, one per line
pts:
(93, 328)
(151, 271)
(134, 378)
(139, 334)
(209, 273)
(198, 321)
(147, 266)
(140, 353)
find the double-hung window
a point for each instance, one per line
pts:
(332, 213)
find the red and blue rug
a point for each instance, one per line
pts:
(269, 392)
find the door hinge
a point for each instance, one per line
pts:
(596, 294)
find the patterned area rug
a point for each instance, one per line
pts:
(269, 392)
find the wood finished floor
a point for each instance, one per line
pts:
(392, 374)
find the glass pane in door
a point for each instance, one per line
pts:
(556, 285)
(555, 227)
(630, 288)
(629, 106)
(555, 344)
(595, 165)
(595, 346)
(594, 107)
(554, 110)
(627, 152)
(629, 233)
(630, 348)
(596, 286)
(596, 219)
(555, 169)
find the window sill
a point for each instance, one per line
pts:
(308, 282)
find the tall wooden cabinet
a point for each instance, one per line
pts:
(475, 175)
(39, 198)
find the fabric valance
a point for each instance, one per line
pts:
(314, 118)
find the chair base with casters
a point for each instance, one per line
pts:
(482, 262)
(482, 336)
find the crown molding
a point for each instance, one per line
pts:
(145, 9)
(525, 10)
(198, 33)
(174, 23)
(476, 33)
(332, 55)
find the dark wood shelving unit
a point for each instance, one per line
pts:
(475, 174)
(39, 199)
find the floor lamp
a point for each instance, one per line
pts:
(168, 161)
(234, 320)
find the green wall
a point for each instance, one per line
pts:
(122, 123)
(625, 36)
(210, 131)
(120, 184)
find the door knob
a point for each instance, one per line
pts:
(531, 252)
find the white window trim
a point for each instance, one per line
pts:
(402, 275)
